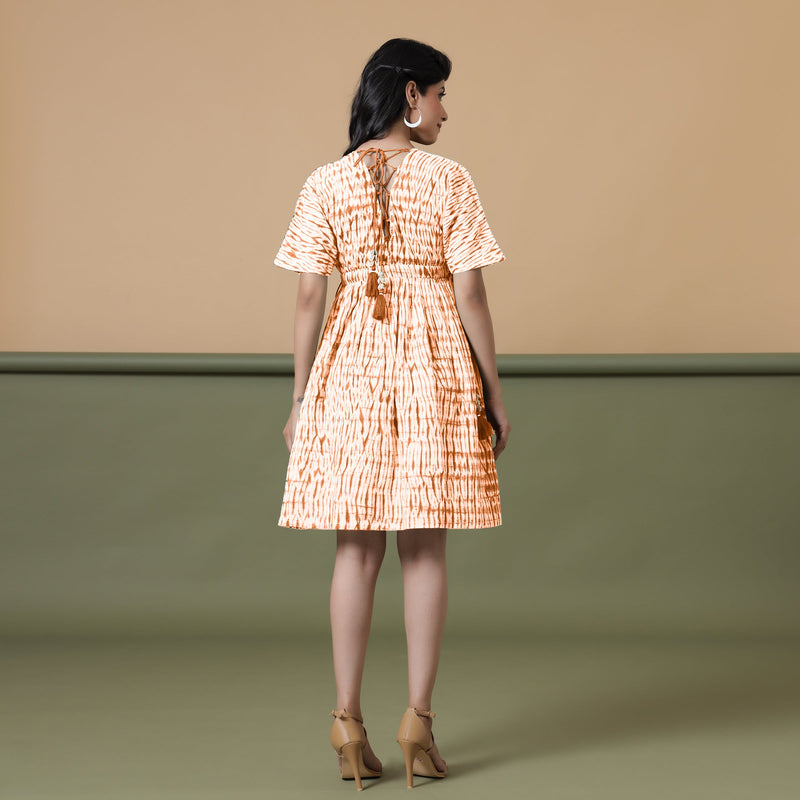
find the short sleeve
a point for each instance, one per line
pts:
(468, 240)
(310, 243)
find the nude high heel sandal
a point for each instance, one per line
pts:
(349, 738)
(416, 743)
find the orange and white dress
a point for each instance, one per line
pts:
(392, 432)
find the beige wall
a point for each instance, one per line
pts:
(637, 161)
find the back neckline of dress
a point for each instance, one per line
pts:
(356, 153)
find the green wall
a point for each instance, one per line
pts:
(640, 494)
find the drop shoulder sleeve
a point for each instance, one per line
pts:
(310, 243)
(468, 239)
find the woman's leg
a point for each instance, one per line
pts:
(359, 555)
(422, 557)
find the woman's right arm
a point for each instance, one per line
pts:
(309, 310)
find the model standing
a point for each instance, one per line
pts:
(392, 415)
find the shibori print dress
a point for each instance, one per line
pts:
(392, 432)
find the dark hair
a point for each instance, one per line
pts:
(380, 98)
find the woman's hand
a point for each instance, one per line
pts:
(496, 414)
(291, 425)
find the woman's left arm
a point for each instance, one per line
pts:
(473, 309)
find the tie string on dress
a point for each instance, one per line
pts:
(380, 225)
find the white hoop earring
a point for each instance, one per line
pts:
(413, 125)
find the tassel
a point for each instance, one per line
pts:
(485, 428)
(372, 284)
(379, 312)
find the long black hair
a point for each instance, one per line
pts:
(380, 99)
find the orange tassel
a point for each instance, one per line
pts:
(485, 428)
(379, 312)
(372, 284)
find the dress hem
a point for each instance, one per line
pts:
(393, 526)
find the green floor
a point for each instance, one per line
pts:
(157, 719)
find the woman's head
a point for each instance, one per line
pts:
(403, 77)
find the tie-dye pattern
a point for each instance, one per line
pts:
(388, 434)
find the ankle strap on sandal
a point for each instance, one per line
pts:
(341, 713)
(421, 713)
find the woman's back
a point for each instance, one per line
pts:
(439, 223)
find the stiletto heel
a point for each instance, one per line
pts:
(416, 743)
(352, 752)
(349, 739)
(410, 750)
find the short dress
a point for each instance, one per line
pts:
(392, 432)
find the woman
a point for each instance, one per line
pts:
(392, 418)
